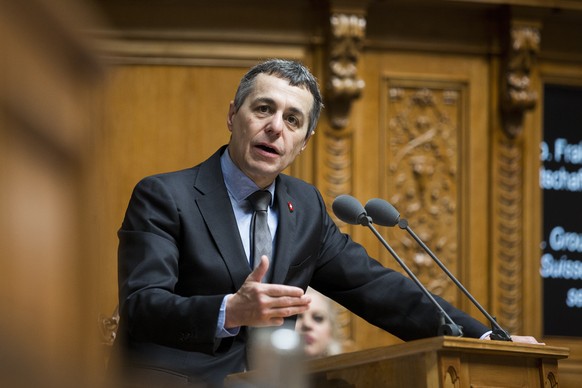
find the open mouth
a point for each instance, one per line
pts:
(268, 149)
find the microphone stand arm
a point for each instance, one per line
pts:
(452, 328)
(498, 333)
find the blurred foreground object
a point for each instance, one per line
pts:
(277, 359)
(48, 83)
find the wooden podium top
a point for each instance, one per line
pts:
(436, 344)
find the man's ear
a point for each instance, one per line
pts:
(231, 113)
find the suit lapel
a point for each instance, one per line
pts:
(216, 209)
(286, 231)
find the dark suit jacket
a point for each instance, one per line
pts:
(180, 253)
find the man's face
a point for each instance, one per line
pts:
(269, 130)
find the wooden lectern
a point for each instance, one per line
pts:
(436, 362)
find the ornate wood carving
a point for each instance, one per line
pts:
(422, 134)
(451, 378)
(551, 381)
(338, 165)
(337, 175)
(347, 31)
(517, 95)
(344, 86)
(509, 241)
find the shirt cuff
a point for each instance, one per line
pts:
(221, 332)
(486, 335)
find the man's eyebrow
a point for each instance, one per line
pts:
(265, 100)
(298, 112)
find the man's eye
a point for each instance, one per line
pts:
(293, 121)
(264, 109)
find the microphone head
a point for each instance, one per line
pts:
(349, 210)
(382, 212)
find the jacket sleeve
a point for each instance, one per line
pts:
(380, 295)
(148, 269)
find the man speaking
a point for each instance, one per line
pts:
(208, 252)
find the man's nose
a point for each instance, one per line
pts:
(276, 124)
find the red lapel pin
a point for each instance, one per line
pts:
(290, 206)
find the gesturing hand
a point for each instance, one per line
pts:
(262, 304)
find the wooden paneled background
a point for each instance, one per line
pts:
(434, 105)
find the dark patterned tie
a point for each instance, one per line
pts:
(261, 241)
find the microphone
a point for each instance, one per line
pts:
(386, 215)
(350, 210)
(382, 212)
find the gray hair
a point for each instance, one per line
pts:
(292, 71)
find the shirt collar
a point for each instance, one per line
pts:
(239, 185)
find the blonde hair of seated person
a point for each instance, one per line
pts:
(318, 326)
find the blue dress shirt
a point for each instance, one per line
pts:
(239, 187)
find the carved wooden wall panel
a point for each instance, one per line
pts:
(418, 128)
(423, 127)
